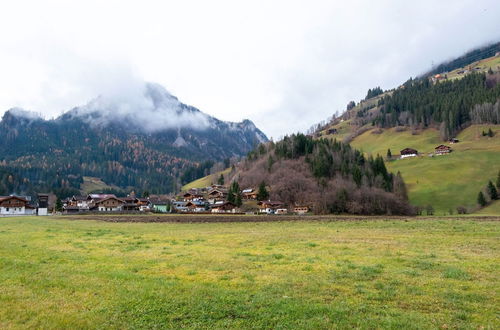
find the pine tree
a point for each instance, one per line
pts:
(498, 180)
(220, 181)
(59, 205)
(262, 193)
(389, 154)
(492, 191)
(238, 201)
(480, 199)
(230, 196)
(490, 133)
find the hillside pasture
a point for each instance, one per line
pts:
(412, 274)
(447, 181)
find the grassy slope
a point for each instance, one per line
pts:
(94, 184)
(205, 181)
(445, 181)
(492, 209)
(368, 274)
(484, 65)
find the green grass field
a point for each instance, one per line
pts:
(57, 273)
(447, 181)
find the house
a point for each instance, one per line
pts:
(442, 150)
(80, 201)
(249, 194)
(223, 207)
(300, 209)
(107, 204)
(179, 206)
(217, 194)
(408, 152)
(75, 204)
(130, 204)
(159, 205)
(453, 140)
(192, 196)
(14, 205)
(269, 207)
(196, 206)
(144, 204)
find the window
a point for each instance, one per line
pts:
(7, 209)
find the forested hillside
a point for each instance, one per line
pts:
(448, 104)
(330, 175)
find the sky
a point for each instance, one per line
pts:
(285, 65)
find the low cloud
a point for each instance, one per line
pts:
(146, 106)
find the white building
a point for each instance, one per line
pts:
(14, 205)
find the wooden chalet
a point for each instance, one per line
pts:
(408, 152)
(453, 140)
(192, 196)
(223, 207)
(217, 194)
(196, 206)
(442, 150)
(15, 205)
(249, 194)
(108, 204)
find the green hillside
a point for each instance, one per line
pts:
(444, 182)
(205, 181)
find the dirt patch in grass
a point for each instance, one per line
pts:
(193, 218)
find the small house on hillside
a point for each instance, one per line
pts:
(442, 150)
(453, 140)
(249, 194)
(408, 152)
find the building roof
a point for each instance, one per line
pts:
(4, 198)
(108, 198)
(442, 147)
(408, 151)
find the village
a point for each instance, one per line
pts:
(208, 200)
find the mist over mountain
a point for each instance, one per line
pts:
(142, 138)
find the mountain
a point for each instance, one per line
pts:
(144, 139)
(422, 113)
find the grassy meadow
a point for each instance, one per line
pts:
(414, 274)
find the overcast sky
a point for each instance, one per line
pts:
(283, 64)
